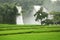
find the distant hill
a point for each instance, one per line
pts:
(22, 2)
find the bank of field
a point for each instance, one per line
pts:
(29, 32)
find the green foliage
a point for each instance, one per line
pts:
(47, 21)
(40, 15)
(56, 17)
(8, 13)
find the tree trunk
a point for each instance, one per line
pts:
(41, 21)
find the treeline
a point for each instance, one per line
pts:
(8, 13)
(55, 19)
(34, 2)
(43, 18)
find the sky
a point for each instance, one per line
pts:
(53, 0)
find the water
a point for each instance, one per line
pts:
(19, 18)
(28, 17)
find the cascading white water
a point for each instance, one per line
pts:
(29, 19)
(19, 18)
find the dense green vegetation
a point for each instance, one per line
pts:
(29, 32)
(56, 17)
(8, 13)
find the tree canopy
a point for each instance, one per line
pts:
(56, 17)
(40, 15)
(8, 13)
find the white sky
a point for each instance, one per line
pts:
(53, 0)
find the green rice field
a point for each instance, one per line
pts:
(29, 32)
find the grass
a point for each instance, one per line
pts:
(33, 36)
(29, 32)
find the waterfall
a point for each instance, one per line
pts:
(28, 17)
(19, 18)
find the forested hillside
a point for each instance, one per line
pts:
(26, 4)
(22, 1)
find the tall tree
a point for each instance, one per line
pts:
(40, 15)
